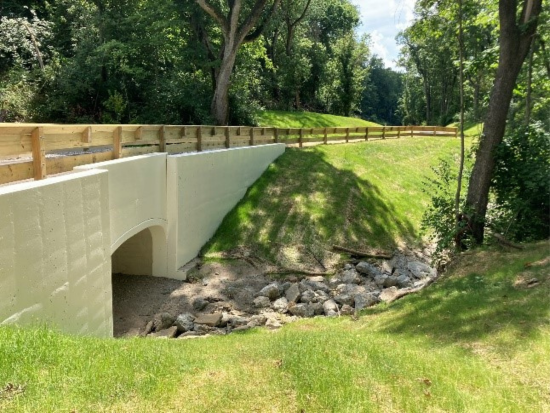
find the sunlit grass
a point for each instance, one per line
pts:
(476, 341)
(280, 119)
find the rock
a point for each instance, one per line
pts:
(184, 322)
(334, 281)
(235, 321)
(321, 296)
(316, 278)
(311, 284)
(293, 293)
(241, 328)
(166, 333)
(351, 276)
(387, 267)
(346, 310)
(420, 270)
(367, 269)
(403, 281)
(365, 300)
(262, 302)
(348, 266)
(285, 286)
(344, 299)
(317, 308)
(210, 320)
(390, 281)
(388, 294)
(162, 321)
(218, 332)
(307, 296)
(292, 279)
(330, 308)
(273, 323)
(199, 304)
(271, 291)
(280, 305)
(302, 310)
(380, 279)
(189, 334)
(148, 328)
(257, 320)
(202, 329)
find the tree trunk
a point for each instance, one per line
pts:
(220, 100)
(515, 42)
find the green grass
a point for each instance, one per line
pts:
(360, 195)
(280, 119)
(471, 129)
(476, 341)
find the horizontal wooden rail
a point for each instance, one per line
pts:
(30, 151)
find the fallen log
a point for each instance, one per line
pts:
(406, 291)
(362, 254)
(504, 241)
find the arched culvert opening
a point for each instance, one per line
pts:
(136, 265)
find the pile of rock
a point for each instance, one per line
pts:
(356, 287)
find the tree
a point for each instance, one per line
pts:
(516, 35)
(236, 28)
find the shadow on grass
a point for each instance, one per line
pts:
(480, 305)
(303, 204)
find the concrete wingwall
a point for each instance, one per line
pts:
(61, 238)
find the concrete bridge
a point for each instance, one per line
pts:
(61, 238)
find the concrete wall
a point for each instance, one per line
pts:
(137, 200)
(202, 189)
(55, 250)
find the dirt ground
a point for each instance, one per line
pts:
(228, 286)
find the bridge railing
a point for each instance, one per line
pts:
(34, 151)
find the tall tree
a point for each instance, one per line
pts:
(516, 34)
(237, 27)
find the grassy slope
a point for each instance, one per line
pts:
(280, 119)
(361, 195)
(473, 342)
(471, 129)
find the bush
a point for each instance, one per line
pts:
(521, 185)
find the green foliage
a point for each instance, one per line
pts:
(521, 184)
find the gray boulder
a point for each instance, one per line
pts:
(403, 281)
(166, 333)
(280, 305)
(184, 322)
(346, 310)
(317, 308)
(302, 310)
(162, 321)
(271, 291)
(389, 294)
(380, 279)
(293, 293)
(365, 300)
(199, 304)
(344, 299)
(330, 308)
(307, 296)
(351, 276)
(321, 296)
(210, 320)
(313, 284)
(420, 270)
(257, 320)
(367, 269)
(262, 302)
(390, 281)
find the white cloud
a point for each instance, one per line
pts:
(383, 20)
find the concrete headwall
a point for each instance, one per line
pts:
(202, 189)
(55, 250)
(137, 201)
(150, 213)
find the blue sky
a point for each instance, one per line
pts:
(383, 19)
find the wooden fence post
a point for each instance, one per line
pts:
(162, 139)
(251, 136)
(366, 134)
(347, 135)
(227, 137)
(199, 139)
(276, 133)
(383, 132)
(301, 138)
(398, 132)
(456, 132)
(325, 137)
(412, 131)
(138, 135)
(117, 142)
(38, 153)
(435, 132)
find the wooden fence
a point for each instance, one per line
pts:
(37, 150)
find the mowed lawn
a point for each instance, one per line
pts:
(360, 195)
(476, 341)
(282, 119)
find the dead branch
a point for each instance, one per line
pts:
(284, 270)
(407, 291)
(504, 241)
(362, 254)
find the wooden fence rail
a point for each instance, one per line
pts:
(36, 150)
